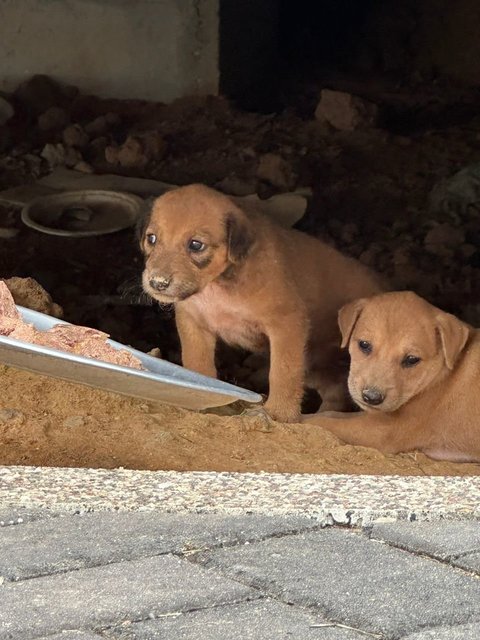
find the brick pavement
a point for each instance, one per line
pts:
(148, 575)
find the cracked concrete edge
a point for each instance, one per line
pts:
(331, 499)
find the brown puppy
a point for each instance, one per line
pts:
(415, 370)
(238, 276)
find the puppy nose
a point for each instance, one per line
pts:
(160, 283)
(372, 395)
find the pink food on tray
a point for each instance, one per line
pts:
(83, 341)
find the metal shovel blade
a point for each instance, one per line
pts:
(161, 381)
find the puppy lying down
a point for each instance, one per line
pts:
(415, 372)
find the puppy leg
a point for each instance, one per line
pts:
(333, 389)
(366, 430)
(198, 345)
(328, 372)
(287, 368)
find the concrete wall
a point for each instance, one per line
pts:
(150, 49)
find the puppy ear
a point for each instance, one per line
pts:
(239, 234)
(347, 319)
(143, 219)
(453, 336)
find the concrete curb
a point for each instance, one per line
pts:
(332, 499)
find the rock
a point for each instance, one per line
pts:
(74, 422)
(54, 154)
(73, 157)
(39, 93)
(83, 167)
(137, 151)
(53, 119)
(6, 111)
(27, 292)
(113, 119)
(345, 112)
(34, 164)
(75, 136)
(7, 415)
(97, 127)
(154, 145)
(111, 154)
(96, 149)
(273, 169)
(130, 155)
(102, 124)
(235, 186)
(443, 238)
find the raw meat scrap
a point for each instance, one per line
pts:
(83, 341)
(7, 304)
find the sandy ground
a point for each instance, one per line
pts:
(54, 423)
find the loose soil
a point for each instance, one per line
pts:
(54, 423)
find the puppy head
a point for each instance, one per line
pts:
(192, 237)
(399, 344)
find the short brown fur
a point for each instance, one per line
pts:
(254, 285)
(432, 406)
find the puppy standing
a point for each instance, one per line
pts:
(238, 276)
(415, 370)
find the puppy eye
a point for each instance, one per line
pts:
(410, 361)
(151, 239)
(365, 346)
(196, 245)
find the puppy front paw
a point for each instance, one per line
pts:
(283, 412)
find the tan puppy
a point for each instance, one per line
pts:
(415, 370)
(238, 276)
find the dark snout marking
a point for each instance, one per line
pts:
(373, 396)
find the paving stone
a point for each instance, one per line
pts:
(469, 562)
(363, 583)
(264, 619)
(105, 596)
(441, 539)
(21, 516)
(462, 632)
(60, 544)
(73, 635)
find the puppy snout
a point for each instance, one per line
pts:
(160, 283)
(373, 396)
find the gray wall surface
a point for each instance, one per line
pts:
(148, 49)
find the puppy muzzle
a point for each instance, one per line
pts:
(373, 396)
(160, 283)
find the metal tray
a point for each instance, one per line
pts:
(161, 381)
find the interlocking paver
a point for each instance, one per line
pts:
(352, 579)
(72, 635)
(462, 632)
(260, 620)
(469, 562)
(90, 598)
(59, 544)
(441, 539)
